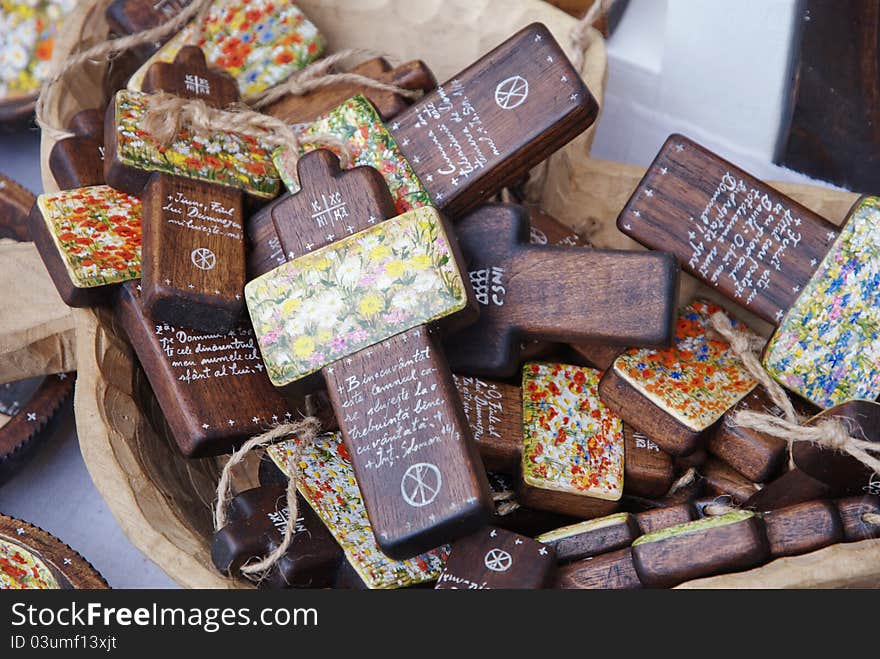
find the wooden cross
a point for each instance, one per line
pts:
(720, 479)
(495, 414)
(257, 520)
(816, 282)
(212, 388)
(474, 134)
(614, 570)
(328, 484)
(78, 161)
(361, 319)
(675, 395)
(193, 223)
(497, 559)
(525, 290)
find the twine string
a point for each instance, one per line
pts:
(506, 502)
(871, 518)
(583, 33)
(108, 50)
(834, 433)
(683, 481)
(305, 430)
(322, 73)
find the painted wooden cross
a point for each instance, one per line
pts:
(819, 284)
(192, 193)
(474, 134)
(495, 413)
(355, 302)
(329, 486)
(78, 161)
(525, 290)
(212, 387)
(675, 395)
(257, 520)
(494, 559)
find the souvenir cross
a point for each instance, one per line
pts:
(554, 293)
(193, 224)
(818, 283)
(354, 302)
(474, 134)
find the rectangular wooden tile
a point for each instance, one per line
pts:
(648, 471)
(572, 460)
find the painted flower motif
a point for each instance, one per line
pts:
(357, 124)
(243, 162)
(571, 441)
(329, 486)
(20, 569)
(258, 42)
(698, 379)
(827, 348)
(97, 231)
(330, 312)
(27, 38)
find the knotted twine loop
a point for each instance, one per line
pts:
(167, 115)
(721, 505)
(506, 501)
(108, 50)
(871, 518)
(833, 433)
(306, 430)
(583, 33)
(322, 73)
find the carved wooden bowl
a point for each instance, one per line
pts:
(162, 501)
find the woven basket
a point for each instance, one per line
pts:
(162, 501)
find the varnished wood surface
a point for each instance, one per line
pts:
(722, 479)
(725, 227)
(494, 559)
(728, 548)
(648, 471)
(756, 455)
(494, 413)
(593, 537)
(852, 512)
(803, 528)
(666, 516)
(410, 444)
(78, 161)
(495, 120)
(791, 488)
(526, 291)
(256, 522)
(212, 388)
(614, 570)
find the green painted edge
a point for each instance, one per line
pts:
(695, 526)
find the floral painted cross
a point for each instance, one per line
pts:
(355, 302)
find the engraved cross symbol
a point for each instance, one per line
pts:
(511, 92)
(203, 258)
(420, 484)
(498, 560)
(329, 207)
(197, 84)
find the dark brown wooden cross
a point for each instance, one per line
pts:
(78, 161)
(555, 293)
(409, 443)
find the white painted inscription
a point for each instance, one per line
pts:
(498, 560)
(329, 207)
(742, 236)
(280, 519)
(512, 92)
(195, 357)
(421, 484)
(210, 217)
(482, 403)
(488, 285)
(644, 442)
(452, 124)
